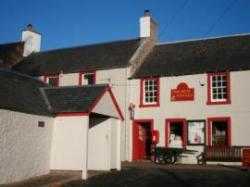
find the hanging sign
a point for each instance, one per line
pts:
(182, 93)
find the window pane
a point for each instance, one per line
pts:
(219, 87)
(150, 91)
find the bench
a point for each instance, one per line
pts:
(221, 154)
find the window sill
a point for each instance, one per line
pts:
(149, 105)
(219, 102)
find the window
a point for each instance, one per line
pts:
(176, 133)
(219, 88)
(52, 80)
(219, 131)
(86, 78)
(150, 92)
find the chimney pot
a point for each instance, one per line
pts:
(146, 12)
(29, 27)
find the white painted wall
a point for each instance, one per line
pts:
(120, 88)
(24, 147)
(104, 145)
(115, 162)
(238, 110)
(32, 42)
(99, 146)
(145, 22)
(101, 107)
(69, 145)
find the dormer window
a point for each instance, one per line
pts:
(87, 78)
(52, 80)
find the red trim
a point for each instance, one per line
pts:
(97, 100)
(65, 114)
(116, 104)
(135, 134)
(113, 100)
(219, 119)
(85, 73)
(45, 78)
(209, 101)
(184, 130)
(142, 104)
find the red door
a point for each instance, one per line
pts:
(141, 131)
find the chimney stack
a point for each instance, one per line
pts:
(32, 40)
(148, 27)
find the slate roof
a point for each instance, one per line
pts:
(195, 57)
(74, 98)
(10, 53)
(84, 58)
(22, 93)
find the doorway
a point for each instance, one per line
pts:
(142, 139)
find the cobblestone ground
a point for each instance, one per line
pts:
(176, 176)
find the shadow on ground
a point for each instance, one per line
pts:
(168, 176)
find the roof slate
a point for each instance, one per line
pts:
(22, 93)
(74, 98)
(84, 58)
(195, 57)
(10, 53)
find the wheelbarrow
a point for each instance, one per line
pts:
(170, 155)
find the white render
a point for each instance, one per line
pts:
(145, 26)
(101, 107)
(25, 147)
(103, 145)
(69, 146)
(238, 110)
(117, 79)
(32, 42)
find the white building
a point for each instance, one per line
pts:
(193, 92)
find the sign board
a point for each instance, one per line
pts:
(182, 93)
(196, 132)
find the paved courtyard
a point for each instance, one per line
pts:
(176, 176)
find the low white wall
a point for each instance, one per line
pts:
(24, 147)
(69, 143)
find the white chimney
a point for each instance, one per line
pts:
(32, 41)
(148, 27)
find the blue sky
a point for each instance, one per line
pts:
(65, 23)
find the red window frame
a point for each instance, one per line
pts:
(209, 95)
(142, 104)
(57, 76)
(184, 129)
(81, 74)
(219, 119)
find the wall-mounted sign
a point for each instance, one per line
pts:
(182, 93)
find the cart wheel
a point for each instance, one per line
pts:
(161, 160)
(169, 159)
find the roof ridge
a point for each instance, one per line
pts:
(202, 39)
(12, 43)
(87, 45)
(76, 86)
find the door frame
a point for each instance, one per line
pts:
(135, 143)
(184, 130)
